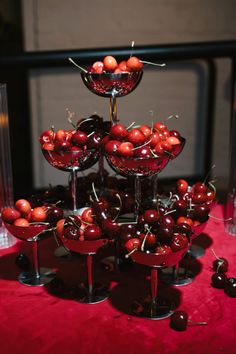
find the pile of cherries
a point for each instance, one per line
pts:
(87, 134)
(22, 214)
(155, 232)
(220, 280)
(94, 223)
(110, 65)
(142, 141)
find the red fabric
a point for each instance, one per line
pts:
(34, 321)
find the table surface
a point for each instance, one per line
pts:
(33, 320)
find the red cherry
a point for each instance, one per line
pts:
(117, 71)
(62, 146)
(123, 66)
(160, 127)
(60, 135)
(175, 133)
(199, 187)
(21, 222)
(164, 249)
(155, 139)
(220, 265)
(97, 67)
(144, 151)
(134, 243)
(79, 138)
(71, 232)
(48, 146)
(118, 131)
(110, 63)
(199, 198)
(173, 140)
(151, 216)
(146, 130)
(134, 64)
(159, 149)
(182, 186)
(184, 220)
(87, 216)
(167, 147)
(92, 232)
(9, 215)
(126, 149)
(60, 227)
(178, 242)
(38, 214)
(112, 146)
(47, 137)
(23, 206)
(150, 240)
(136, 136)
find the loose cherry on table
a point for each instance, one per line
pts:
(179, 321)
(230, 288)
(219, 280)
(220, 264)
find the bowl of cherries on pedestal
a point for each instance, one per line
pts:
(141, 150)
(24, 221)
(156, 238)
(77, 148)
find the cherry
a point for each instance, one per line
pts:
(126, 149)
(165, 233)
(62, 146)
(179, 320)
(134, 64)
(127, 231)
(220, 265)
(54, 214)
(112, 146)
(144, 151)
(230, 288)
(136, 137)
(48, 146)
(79, 138)
(97, 67)
(90, 124)
(182, 186)
(200, 212)
(60, 227)
(199, 198)
(87, 216)
(151, 216)
(219, 280)
(160, 127)
(149, 240)
(146, 130)
(123, 66)
(110, 227)
(174, 133)
(60, 135)
(110, 63)
(199, 187)
(167, 220)
(21, 222)
(172, 140)
(118, 131)
(38, 214)
(178, 242)
(23, 206)
(71, 232)
(184, 220)
(183, 228)
(92, 232)
(180, 206)
(47, 137)
(94, 141)
(9, 215)
(133, 244)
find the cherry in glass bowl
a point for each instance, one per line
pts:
(33, 233)
(87, 293)
(111, 84)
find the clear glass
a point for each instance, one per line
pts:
(6, 181)
(231, 213)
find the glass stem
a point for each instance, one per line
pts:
(101, 171)
(113, 110)
(137, 188)
(154, 280)
(36, 258)
(90, 276)
(155, 188)
(176, 271)
(74, 189)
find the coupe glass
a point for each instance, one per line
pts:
(72, 161)
(112, 85)
(156, 308)
(33, 233)
(88, 293)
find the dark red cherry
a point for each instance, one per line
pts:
(199, 187)
(200, 212)
(219, 280)
(165, 233)
(151, 216)
(62, 146)
(175, 133)
(230, 288)
(134, 243)
(178, 242)
(127, 231)
(220, 265)
(180, 207)
(72, 232)
(199, 198)
(179, 320)
(94, 141)
(92, 232)
(54, 214)
(167, 220)
(79, 138)
(144, 151)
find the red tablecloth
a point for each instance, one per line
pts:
(34, 321)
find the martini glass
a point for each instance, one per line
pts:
(88, 293)
(72, 162)
(33, 233)
(156, 308)
(112, 86)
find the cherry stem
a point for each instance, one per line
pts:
(153, 153)
(151, 112)
(212, 250)
(176, 116)
(205, 179)
(80, 67)
(203, 323)
(69, 117)
(83, 121)
(73, 221)
(220, 219)
(130, 126)
(212, 186)
(132, 48)
(149, 62)
(144, 240)
(94, 192)
(119, 208)
(169, 212)
(129, 254)
(90, 134)
(140, 146)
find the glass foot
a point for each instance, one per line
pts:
(183, 278)
(98, 294)
(196, 251)
(147, 309)
(30, 278)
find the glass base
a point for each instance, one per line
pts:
(196, 251)
(99, 293)
(230, 228)
(30, 278)
(184, 277)
(6, 239)
(146, 309)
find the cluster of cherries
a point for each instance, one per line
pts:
(110, 65)
(94, 223)
(143, 141)
(87, 134)
(156, 232)
(22, 214)
(220, 280)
